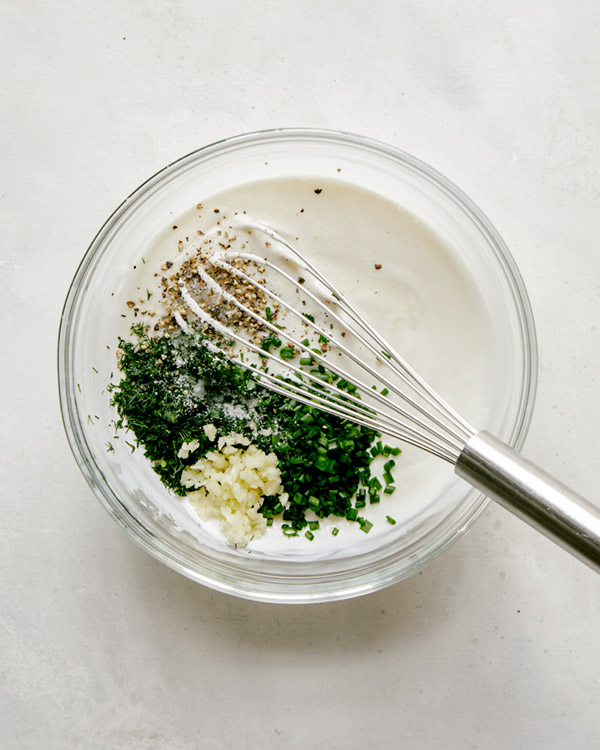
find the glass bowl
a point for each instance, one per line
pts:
(123, 480)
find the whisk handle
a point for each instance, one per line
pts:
(533, 495)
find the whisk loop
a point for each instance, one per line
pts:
(429, 422)
(380, 389)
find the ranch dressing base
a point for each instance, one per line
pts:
(407, 283)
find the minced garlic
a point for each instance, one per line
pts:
(230, 484)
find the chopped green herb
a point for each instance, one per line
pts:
(324, 460)
(270, 341)
(365, 525)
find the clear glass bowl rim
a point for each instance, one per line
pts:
(296, 589)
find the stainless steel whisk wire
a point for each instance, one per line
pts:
(453, 432)
(479, 458)
(312, 394)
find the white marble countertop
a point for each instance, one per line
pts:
(493, 646)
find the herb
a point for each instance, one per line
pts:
(287, 352)
(172, 386)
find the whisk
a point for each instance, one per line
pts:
(228, 293)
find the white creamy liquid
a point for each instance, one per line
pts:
(422, 299)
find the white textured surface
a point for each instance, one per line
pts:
(493, 646)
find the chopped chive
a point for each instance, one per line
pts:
(270, 341)
(389, 490)
(391, 520)
(384, 392)
(375, 484)
(287, 352)
(335, 531)
(309, 535)
(313, 502)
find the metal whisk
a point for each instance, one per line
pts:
(228, 292)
